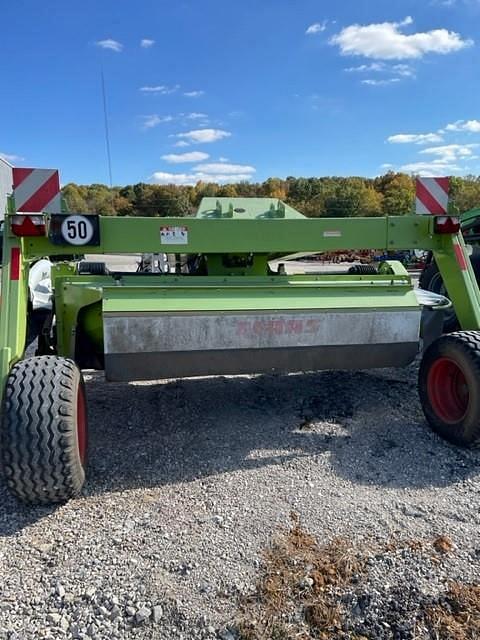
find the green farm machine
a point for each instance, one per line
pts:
(223, 309)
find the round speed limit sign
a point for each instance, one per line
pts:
(77, 230)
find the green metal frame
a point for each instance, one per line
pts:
(216, 232)
(271, 236)
(95, 295)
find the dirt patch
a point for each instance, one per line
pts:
(299, 593)
(457, 615)
(443, 544)
(330, 590)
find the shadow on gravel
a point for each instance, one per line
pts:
(15, 517)
(370, 424)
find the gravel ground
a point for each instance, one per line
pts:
(189, 480)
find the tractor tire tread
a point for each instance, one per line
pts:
(38, 438)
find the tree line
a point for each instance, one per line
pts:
(390, 194)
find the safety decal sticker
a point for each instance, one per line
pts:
(334, 233)
(174, 235)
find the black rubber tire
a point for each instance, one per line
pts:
(363, 270)
(463, 347)
(92, 268)
(426, 275)
(41, 440)
(431, 280)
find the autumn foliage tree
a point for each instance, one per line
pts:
(390, 194)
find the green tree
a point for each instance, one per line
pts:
(274, 188)
(371, 202)
(392, 193)
(465, 193)
(398, 192)
(228, 191)
(74, 198)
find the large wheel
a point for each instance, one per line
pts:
(44, 430)
(449, 386)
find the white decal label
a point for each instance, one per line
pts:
(332, 234)
(77, 230)
(174, 235)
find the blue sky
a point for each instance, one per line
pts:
(227, 90)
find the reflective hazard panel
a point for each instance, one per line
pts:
(36, 190)
(431, 197)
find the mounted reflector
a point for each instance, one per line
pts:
(446, 224)
(431, 197)
(24, 226)
(36, 190)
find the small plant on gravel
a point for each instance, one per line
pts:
(333, 591)
(299, 594)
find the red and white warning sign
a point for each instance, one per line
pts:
(432, 196)
(36, 190)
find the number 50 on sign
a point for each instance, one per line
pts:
(75, 229)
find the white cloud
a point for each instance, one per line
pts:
(161, 89)
(455, 3)
(225, 177)
(380, 83)
(415, 138)
(448, 160)
(222, 159)
(113, 45)
(146, 43)
(197, 116)
(163, 177)
(386, 165)
(181, 143)
(148, 122)
(363, 68)
(402, 70)
(316, 27)
(385, 41)
(451, 152)
(434, 168)
(472, 126)
(222, 167)
(11, 157)
(445, 158)
(207, 172)
(193, 94)
(204, 135)
(192, 156)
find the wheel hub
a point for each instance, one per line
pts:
(447, 390)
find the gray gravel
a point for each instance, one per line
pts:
(189, 480)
